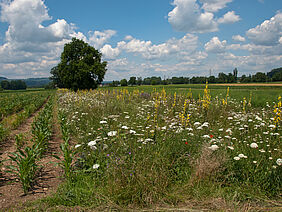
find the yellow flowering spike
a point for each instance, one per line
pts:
(206, 98)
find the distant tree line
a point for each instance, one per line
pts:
(13, 85)
(274, 75)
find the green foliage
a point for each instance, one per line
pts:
(3, 132)
(81, 67)
(5, 84)
(275, 74)
(42, 128)
(13, 85)
(19, 138)
(16, 101)
(134, 148)
(259, 77)
(50, 85)
(123, 82)
(67, 151)
(26, 165)
(132, 81)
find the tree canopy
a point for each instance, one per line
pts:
(13, 85)
(81, 67)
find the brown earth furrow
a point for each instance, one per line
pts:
(11, 192)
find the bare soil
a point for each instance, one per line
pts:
(11, 192)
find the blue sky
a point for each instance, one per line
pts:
(143, 37)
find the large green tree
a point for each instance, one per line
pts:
(81, 67)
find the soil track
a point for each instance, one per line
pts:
(11, 192)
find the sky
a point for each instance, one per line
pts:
(143, 38)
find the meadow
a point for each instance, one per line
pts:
(148, 146)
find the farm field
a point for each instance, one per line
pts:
(16, 107)
(162, 147)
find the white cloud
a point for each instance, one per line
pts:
(188, 17)
(229, 17)
(215, 45)
(128, 37)
(109, 53)
(173, 46)
(214, 5)
(238, 38)
(268, 33)
(25, 18)
(29, 47)
(98, 39)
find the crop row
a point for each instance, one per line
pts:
(27, 157)
(11, 122)
(14, 102)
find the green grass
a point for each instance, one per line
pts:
(259, 94)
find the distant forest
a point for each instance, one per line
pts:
(11, 84)
(274, 75)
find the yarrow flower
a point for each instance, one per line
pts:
(96, 166)
(271, 126)
(253, 145)
(214, 147)
(112, 133)
(92, 145)
(230, 147)
(279, 161)
(77, 145)
(236, 158)
(103, 122)
(242, 156)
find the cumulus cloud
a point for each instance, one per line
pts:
(215, 45)
(25, 17)
(268, 33)
(188, 17)
(229, 17)
(108, 52)
(28, 45)
(31, 48)
(214, 5)
(98, 39)
(147, 50)
(238, 38)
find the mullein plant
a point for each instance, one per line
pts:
(277, 112)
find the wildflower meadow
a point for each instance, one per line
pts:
(137, 148)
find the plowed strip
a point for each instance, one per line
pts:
(11, 192)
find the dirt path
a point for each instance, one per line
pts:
(11, 192)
